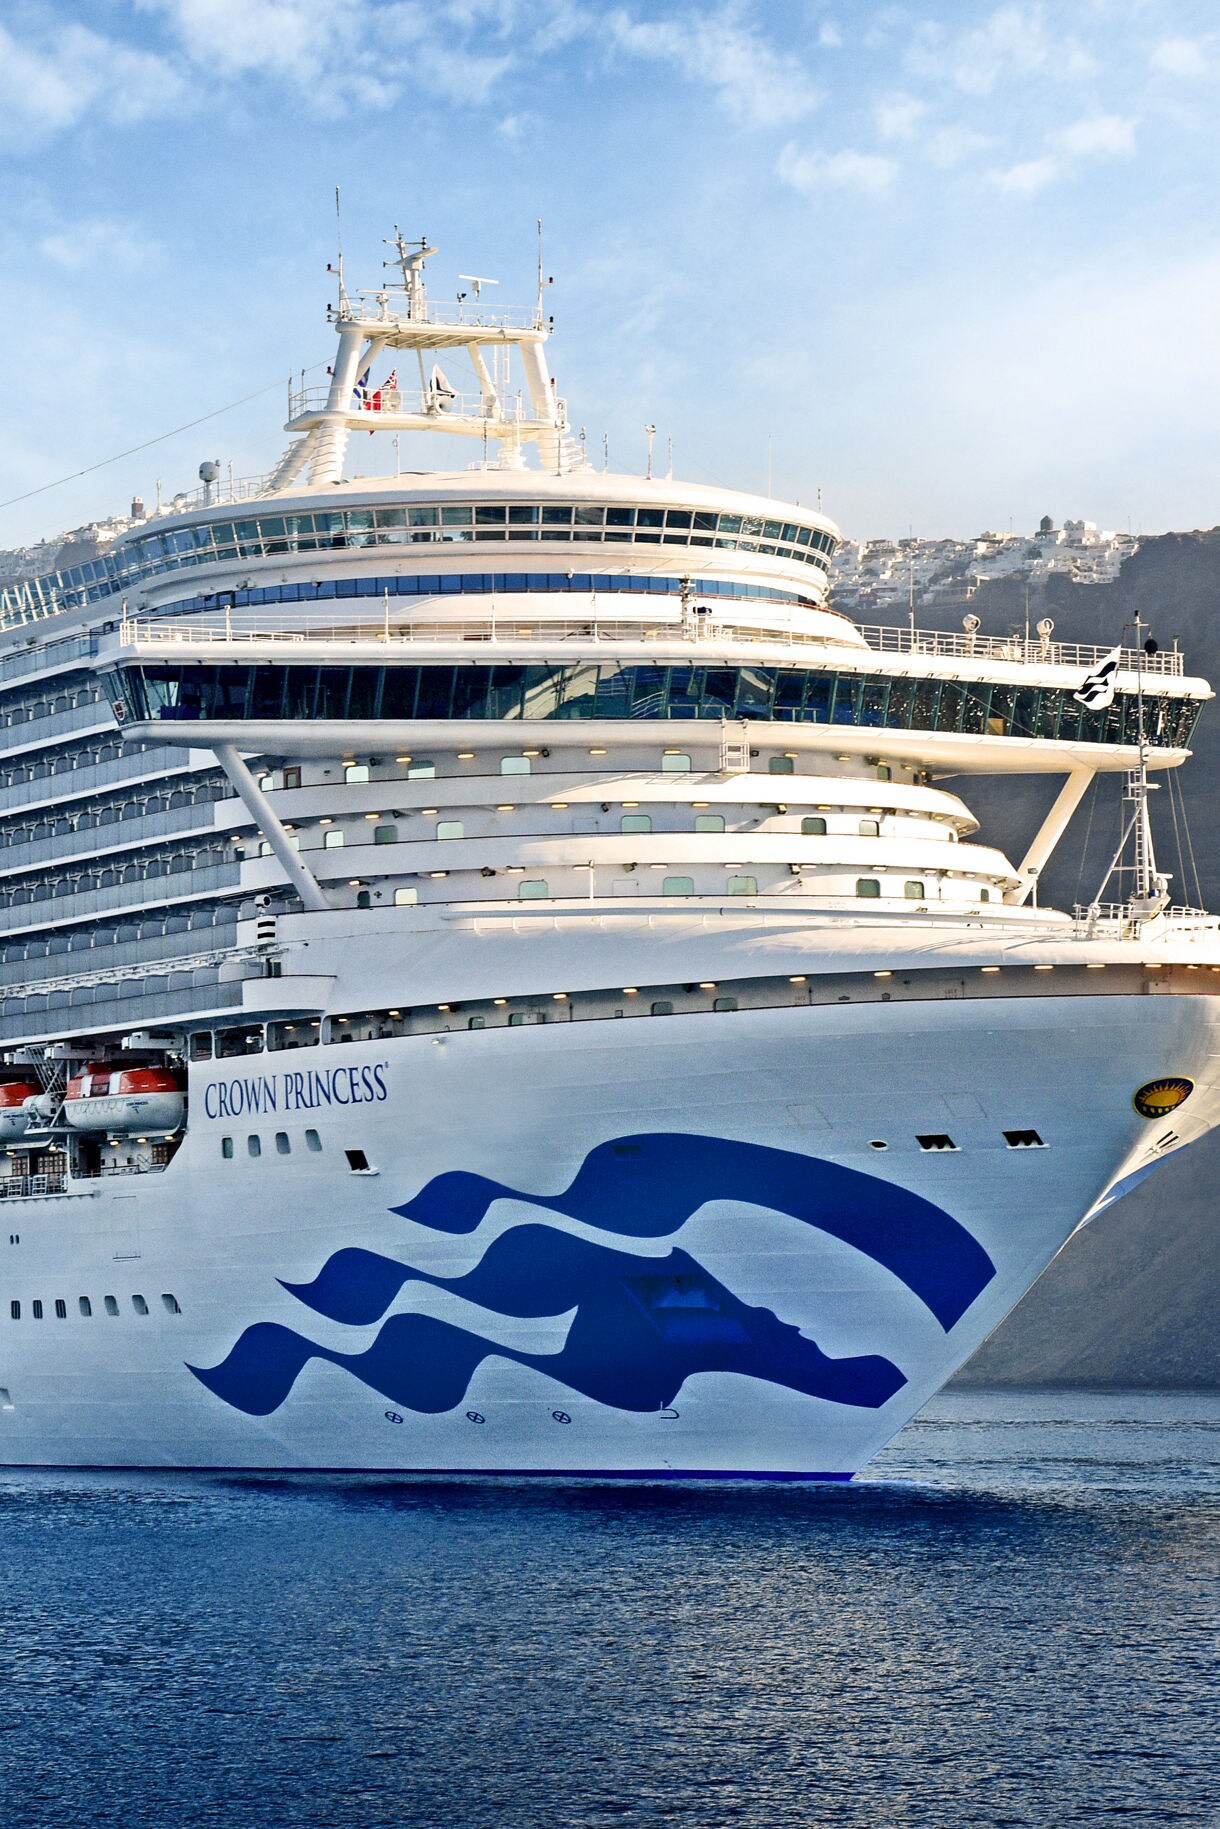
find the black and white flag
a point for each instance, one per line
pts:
(1098, 690)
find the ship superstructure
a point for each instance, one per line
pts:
(495, 977)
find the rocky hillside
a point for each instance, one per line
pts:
(1132, 1299)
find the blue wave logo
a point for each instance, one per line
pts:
(642, 1325)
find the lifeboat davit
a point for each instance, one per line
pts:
(14, 1118)
(126, 1099)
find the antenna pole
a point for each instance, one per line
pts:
(339, 240)
(540, 269)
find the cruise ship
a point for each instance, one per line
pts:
(498, 976)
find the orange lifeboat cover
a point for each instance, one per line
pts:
(15, 1094)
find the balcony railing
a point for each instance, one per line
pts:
(1026, 651)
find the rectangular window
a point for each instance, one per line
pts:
(332, 839)
(406, 898)
(292, 777)
(814, 826)
(14, 1309)
(515, 765)
(662, 1008)
(139, 1304)
(110, 1304)
(870, 828)
(201, 1046)
(85, 1306)
(635, 822)
(450, 828)
(868, 887)
(709, 822)
(282, 1145)
(254, 1145)
(356, 771)
(674, 764)
(171, 1305)
(532, 889)
(357, 1161)
(678, 885)
(1023, 1139)
(913, 890)
(36, 1308)
(421, 771)
(313, 1141)
(742, 885)
(226, 1148)
(724, 1003)
(781, 765)
(936, 1140)
(477, 1022)
(385, 835)
(61, 1309)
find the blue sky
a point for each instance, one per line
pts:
(955, 265)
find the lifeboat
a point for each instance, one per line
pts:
(14, 1118)
(126, 1099)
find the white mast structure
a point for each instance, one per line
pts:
(371, 325)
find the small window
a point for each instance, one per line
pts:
(936, 1140)
(171, 1305)
(36, 1308)
(385, 835)
(709, 822)
(635, 822)
(357, 1161)
(282, 1145)
(868, 887)
(984, 895)
(781, 765)
(515, 765)
(14, 1309)
(450, 828)
(110, 1304)
(532, 889)
(264, 849)
(913, 890)
(313, 1141)
(678, 885)
(356, 771)
(254, 1145)
(364, 898)
(814, 826)
(226, 1148)
(884, 772)
(139, 1304)
(201, 1046)
(742, 885)
(674, 764)
(1023, 1139)
(870, 828)
(85, 1306)
(662, 1008)
(421, 771)
(724, 1003)
(477, 1022)
(332, 839)
(292, 777)
(61, 1309)
(406, 898)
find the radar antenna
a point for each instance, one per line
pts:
(409, 258)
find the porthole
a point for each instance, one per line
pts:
(313, 1141)
(61, 1309)
(282, 1145)
(36, 1308)
(110, 1304)
(171, 1305)
(226, 1148)
(14, 1309)
(254, 1146)
(139, 1304)
(85, 1306)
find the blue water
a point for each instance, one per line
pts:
(1010, 1621)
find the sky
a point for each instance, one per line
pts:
(955, 266)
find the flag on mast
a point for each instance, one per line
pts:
(1098, 690)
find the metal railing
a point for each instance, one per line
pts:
(378, 403)
(374, 308)
(20, 1187)
(1031, 651)
(1102, 920)
(704, 627)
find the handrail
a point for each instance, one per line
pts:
(708, 630)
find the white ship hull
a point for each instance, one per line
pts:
(538, 1320)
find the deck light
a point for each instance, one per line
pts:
(465, 755)
(799, 979)
(629, 803)
(402, 758)
(989, 968)
(560, 996)
(707, 984)
(1096, 966)
(1044, 968)
(499, 1002)
(631, 990)
(559, 806)
(436, 875)
(883, 974)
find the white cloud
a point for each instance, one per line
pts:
(51, 83)
(756, 84)
(814, 171)
(829, 36)
(95, 242)
(1014, 42)
(898, 116)
(1180, 57)
(1102, 136)
(1027, 178)
(950, 146)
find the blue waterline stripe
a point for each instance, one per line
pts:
(428, 1473)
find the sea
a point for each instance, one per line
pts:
(1010, 1620)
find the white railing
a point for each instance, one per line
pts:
(236, 489)
(1031, 651)
(373, 308)
(391, 403)
(1103, 920)
(19, 1187)
(705, 628)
